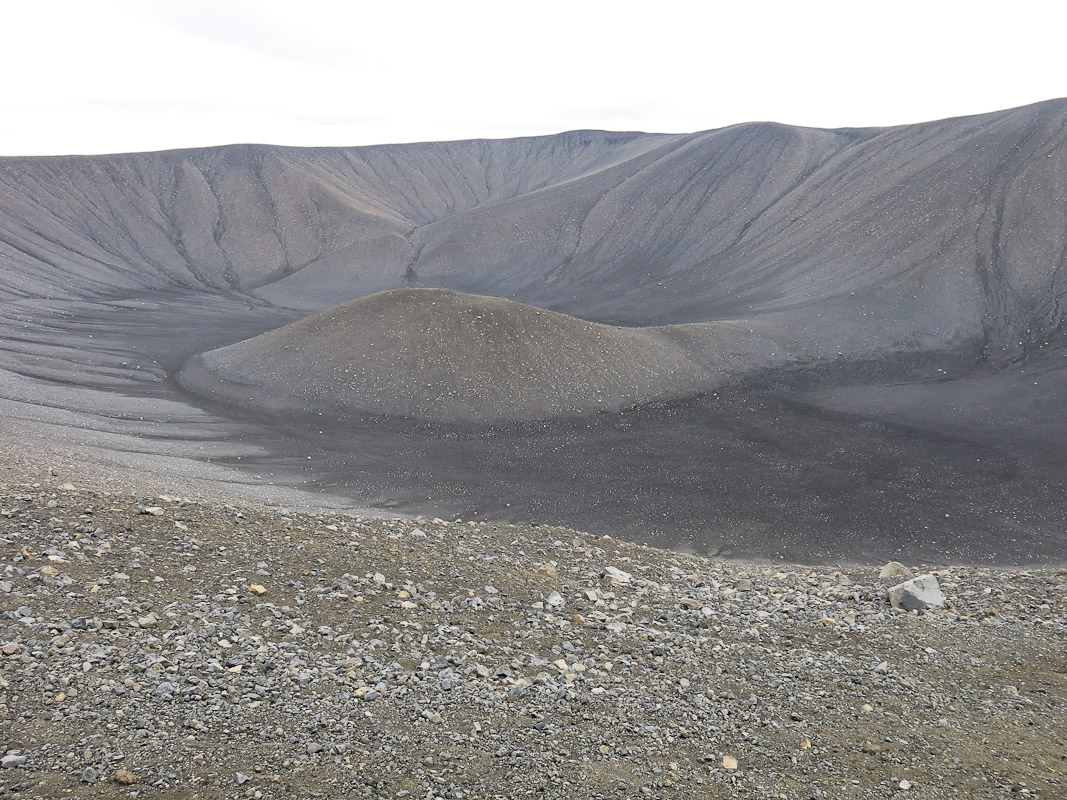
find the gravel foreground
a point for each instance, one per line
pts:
(160, 647)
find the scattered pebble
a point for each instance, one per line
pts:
(133, 646)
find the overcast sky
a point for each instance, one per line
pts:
(95, 76)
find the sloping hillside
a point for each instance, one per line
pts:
(810, 343)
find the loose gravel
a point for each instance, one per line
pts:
(160, 647)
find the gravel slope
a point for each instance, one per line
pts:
(441, 355)
(211, 651)
(851, 290)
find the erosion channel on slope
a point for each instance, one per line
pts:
(763, 340)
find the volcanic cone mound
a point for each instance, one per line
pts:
(442, 355)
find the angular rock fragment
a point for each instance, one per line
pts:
(917, 594)
(895, 570)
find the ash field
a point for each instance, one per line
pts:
(767, 342)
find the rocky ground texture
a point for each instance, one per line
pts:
(161, 647)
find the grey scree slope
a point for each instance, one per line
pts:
(858, 332)
(439, 354)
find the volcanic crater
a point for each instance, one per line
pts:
(764, 340)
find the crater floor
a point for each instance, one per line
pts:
(760, 341)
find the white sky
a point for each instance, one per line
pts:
(94, 76)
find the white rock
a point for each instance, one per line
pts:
(918, 593)
(618, 575)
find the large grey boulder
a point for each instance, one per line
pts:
(919, 593)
